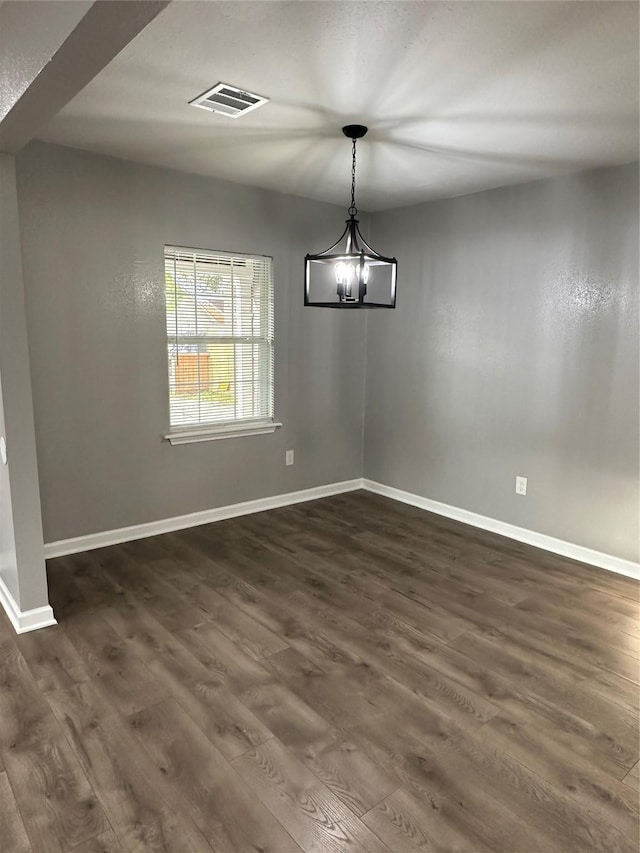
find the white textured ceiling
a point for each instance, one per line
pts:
(459, 96)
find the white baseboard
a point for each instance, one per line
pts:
(520, 534)
(25, 620)
(63, 547)
(78, 544)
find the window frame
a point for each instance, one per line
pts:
(238, 427)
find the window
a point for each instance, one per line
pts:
(219, 344)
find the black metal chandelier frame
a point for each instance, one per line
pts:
(352, 265)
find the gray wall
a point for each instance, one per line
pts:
(514, 350)
(93, 231)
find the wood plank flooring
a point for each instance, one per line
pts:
(350, 674)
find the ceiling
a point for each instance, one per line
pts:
(459, 96)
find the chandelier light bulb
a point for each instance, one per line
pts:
(344, 273)
(347, 273)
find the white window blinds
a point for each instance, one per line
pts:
(219, 337)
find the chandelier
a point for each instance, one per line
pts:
(350, 274)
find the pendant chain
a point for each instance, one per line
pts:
(353, 209)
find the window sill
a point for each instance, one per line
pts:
(214, 433)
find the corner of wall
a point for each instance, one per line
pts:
(24, 583)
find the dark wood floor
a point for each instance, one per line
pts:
(346, 675)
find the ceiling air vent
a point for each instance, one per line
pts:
(228, 100)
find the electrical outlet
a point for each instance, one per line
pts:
(288, 457)
(521, 485)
